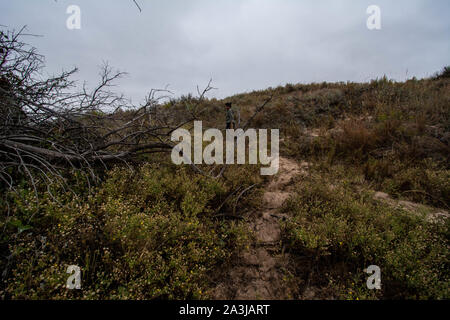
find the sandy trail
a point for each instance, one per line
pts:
(260, 271)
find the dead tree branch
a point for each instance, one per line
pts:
(48, 125)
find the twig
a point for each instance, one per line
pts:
(258, 110)
(140, 10)
(226, 199)
(240, 195)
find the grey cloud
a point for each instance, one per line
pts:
(241, 44)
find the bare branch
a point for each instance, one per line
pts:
(140, 10)
(48, 125)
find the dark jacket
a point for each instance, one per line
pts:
(230, 116)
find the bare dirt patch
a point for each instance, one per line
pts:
(260, 271)
(433, 214)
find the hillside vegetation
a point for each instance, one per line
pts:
(376, 192)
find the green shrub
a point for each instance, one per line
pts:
(338, 227)
(141, 235)
(443, 74)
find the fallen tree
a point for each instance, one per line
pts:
(48, 124)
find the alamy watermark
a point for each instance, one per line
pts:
(374, 281)
(374, 20)
(73, 22)
(74, 281)
(235, 147)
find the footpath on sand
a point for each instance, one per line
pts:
(260, 271)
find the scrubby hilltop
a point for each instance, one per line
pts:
(375, 192)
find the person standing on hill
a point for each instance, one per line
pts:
(230, 124)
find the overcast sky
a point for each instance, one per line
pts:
(242, 45)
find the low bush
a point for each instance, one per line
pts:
(143, 235)
(337, 226)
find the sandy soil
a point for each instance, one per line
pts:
(260, 272)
